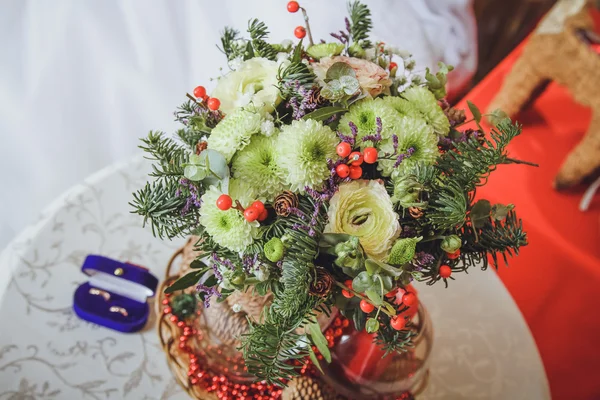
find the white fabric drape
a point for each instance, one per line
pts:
(82, 80)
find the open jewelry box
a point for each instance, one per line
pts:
(115, 295)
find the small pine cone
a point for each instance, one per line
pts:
(476, 134)
(284, 202)
(415, 212)
(201, 146)
(317, 99)
(455, 116)
(304, 388)
(322, 284)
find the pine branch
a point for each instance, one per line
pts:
(228, 43)
(294, 72)
(495, 238)
(360, 23)
(471, 164)
(159, 205)
(447, 208)
(168, 155)
(393, 341)
(258, 33)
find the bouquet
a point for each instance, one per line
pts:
(328, 176)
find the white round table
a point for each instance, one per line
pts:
(482, 348)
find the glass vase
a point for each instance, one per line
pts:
(359, 370)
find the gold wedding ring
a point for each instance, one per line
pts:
(98, 292)
(119, 310)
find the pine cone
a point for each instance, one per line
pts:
(478, 135)
(322, 284)
(284, 203)
(455, 116)
(304, 388)
(201, 146)
(415, 212)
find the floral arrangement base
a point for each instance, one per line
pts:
(200, 382)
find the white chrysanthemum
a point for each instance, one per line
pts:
(227, 228)
(415, 134)
(364, 115)
(267, 128)
(422, 102)
(257, 166)
(254, 81)
(234, 132)
(303, 149)
(363, 208)
(241, 191)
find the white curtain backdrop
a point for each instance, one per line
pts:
(82, 80)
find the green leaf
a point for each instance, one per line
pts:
(480, 213)
(297, 57)
(475, 111)
(372, 266)
(339, 69)
(374, 294)
(324, 113)
(211, 281)
(372, 325)
(391, 309)
(497, 116)
(317, 337)
(185, 281)
(313, 358)
(362, 282)
(359, 319)
(197, 264)
(500, 211)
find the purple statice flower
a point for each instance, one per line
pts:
(407, 231)
(395, 143)
(302, 101)
(193, 200)
(279, 264)
(209, 292)
(404, 156)
(221, 261)
(422, 260)
(299, 227)
(342, 36)
(215, 268)
(376, 138)
(249, 262)
(351, 140)
(297, 212)
(348, 26)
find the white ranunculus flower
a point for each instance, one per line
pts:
(253, 82)
(363, 208)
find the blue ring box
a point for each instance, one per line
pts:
(122, 286)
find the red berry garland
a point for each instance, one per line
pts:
(409, 299)
(346, 293)
(251, 214)
(356, 158)
(260, 207)
(398, 323)
(300, 32)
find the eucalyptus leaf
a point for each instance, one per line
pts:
(500, 211)
(391, 309)
(339, 69)
(324, 113)
(393, 271)
(197, 264)
(480, 213)
(189, 279)
(497, 116)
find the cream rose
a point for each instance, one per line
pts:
(372, 78)
(363, 208)
(254, 82)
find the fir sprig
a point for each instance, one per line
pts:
(258, 33)
(159, 204)
(228, 44)
(360, 23)
(168, 155)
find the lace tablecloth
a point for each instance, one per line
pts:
(482, 349)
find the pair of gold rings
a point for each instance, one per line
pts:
(106, 296)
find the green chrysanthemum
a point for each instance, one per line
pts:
(234, 132)
(304, 148)
(257, 165)
(419, 101)
(241, 191)
(412, 134)
(227, 228)
(364, 115)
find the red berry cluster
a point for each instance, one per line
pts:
(293, 7)
(401, 297)
(353, 167)
(256, 211)
(211, 102)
